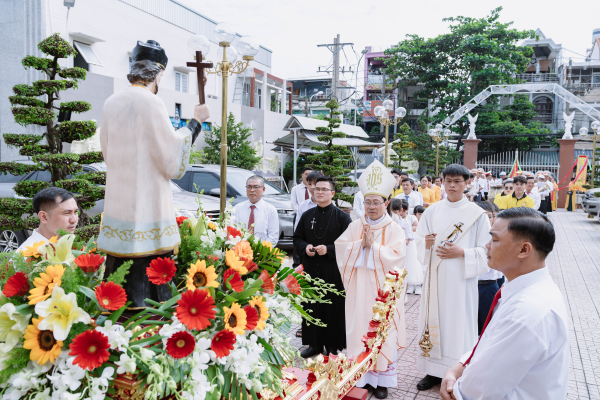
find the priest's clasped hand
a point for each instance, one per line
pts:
(310, 250)
(368, 237)
(321, 249)
(449, 250)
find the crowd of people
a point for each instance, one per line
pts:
(492, 323)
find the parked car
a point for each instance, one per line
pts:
(207, 177)
(591, 203)
(184, 201)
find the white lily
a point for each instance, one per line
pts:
(60, 312)
(59, 252)
(126, 364)
(12, 325)
(198, 225)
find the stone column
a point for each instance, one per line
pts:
(470, 156)
(566, 159)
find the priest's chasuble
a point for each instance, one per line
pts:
(457, 292)
(143, 152)
(362, 281)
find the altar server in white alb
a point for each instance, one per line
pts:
(523, 352)
(369, 248)
(451, 238)
(256, 214)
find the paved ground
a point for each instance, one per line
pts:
(575, 267)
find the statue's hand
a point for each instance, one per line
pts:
(201, 112)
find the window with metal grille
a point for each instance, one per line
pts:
(181, 82)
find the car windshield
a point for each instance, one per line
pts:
(237, 179)
(10, 178)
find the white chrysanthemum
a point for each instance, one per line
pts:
(118, 337)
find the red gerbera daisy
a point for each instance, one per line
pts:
(236, 282)
(252, 267)
(222, 343)
(91, 349)
(89, 263)
(16, 285)
(181, 344)
(251, 317)
(180, 220)
(231, 231)
(110, 295)
(195, 309)
(267, 286)
(161, 270)
(290, 285)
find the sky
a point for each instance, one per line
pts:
(293, 29)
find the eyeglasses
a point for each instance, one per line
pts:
(453, 181)
(508, 188)
(375, 204)
(249, 187)
(322, 189)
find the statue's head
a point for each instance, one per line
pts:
(148, 63)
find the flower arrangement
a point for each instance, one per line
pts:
(66, 332)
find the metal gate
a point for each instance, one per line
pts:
(532, 161)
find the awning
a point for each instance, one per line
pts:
(308, 139)
(311, 124)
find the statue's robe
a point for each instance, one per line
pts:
(361, 283)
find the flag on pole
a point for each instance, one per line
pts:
(515, 168)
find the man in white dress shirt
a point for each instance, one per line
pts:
(532, 191)
(300, 192)
(311, 202)
(256, 213)
(56, 209)
(523, 352)
(411, 197)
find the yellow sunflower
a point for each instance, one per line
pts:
(45, 283)
(201, 276)
(263, 311)
(32, 251)
(234, 262)
(42, 344)
(235, 319)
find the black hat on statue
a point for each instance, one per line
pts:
(150, 51)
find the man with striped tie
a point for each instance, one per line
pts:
(523, 350)
(258, 215)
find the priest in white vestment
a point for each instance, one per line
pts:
(457, 231)
(371, 247)
(143, 152)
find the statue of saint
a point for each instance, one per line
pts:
(143, 152)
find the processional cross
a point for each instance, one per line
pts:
(200, 73)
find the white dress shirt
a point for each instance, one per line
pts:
(524, 351)
(414, 199)
(302, 208)
(535, 195)
(31, 240)
(483, 183)
(359, 205)
(266, 220)
(298, 195)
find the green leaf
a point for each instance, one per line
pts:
(89, 293)
(119, 275)
(25, 309)
(116, 314)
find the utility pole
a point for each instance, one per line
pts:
(335, 48)
(382, 96)
(306, 106)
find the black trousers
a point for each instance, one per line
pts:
(543, 206)
(138, 287)
(487, 291)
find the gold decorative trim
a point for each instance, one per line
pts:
(127, 235)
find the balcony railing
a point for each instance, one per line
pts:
(538, 78)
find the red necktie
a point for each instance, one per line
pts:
(305, 193)
(487, 321)
(251, 219)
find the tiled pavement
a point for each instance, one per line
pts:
(575, 267)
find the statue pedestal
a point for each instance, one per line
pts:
(471, 149)
(566, 159)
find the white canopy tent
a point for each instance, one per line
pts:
(303, 133)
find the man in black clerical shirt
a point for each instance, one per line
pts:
(314, 239)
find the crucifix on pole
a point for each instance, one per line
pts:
(200, 73)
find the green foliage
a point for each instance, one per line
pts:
(197, 157)
(97, 178)
(424, 149)
(33, 116)
(402, 148)
(288, 169)
(119, 275)
(350, 116)
(452, 68)
(89, 231)
(333, 158)
(17, 359)
(47, 150)
(56, 46)
(240, 153)
(77, 130)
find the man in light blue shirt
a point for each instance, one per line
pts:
(256, 214)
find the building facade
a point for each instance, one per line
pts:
(104, 32)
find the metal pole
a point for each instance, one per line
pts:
(594, 158)
(387, 130)
(295, 154)
(306, 106)
(336, 68)
(437, 155)
(223, 192)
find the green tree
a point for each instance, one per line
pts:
(350, 116)
(424, 148)
(288, 169)
(452, 68)
(404, 148)
(35, 104)
(239, 151)
(332, 158)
